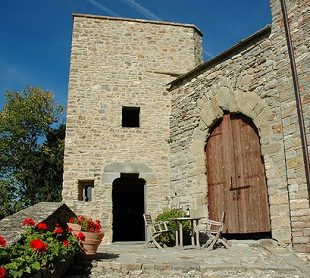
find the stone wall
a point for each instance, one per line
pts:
(119, 62)
(242, 80)
(299, 18)
(47, 212)
(253, 78)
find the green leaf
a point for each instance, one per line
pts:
(36, 265)
(32, 145)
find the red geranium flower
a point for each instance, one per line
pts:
(58, 230)
(2, 242)
(87, 224)
(70, 229)
(38, 245)
(2, 272)
(71, 220)
(81, 218)
(98, 227)
(42, 226)
(66, 243)
(28, 222)
(81, 236)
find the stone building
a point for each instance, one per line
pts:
(118, 117)
(222, 136)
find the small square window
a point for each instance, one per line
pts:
(130, 116)
(85, 190)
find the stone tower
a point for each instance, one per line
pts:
(117, 141)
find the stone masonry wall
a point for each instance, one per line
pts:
(254, 79)
(241, 81)
(119, 62)
(299, 19)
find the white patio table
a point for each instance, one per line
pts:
(179, 231)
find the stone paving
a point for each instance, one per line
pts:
(261, 258)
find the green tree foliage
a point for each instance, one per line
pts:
(31, 150)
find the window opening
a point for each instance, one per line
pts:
(85, 190)
(130, 116)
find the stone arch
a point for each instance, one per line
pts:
(251, 105)
(212, 109)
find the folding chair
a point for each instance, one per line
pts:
(213, 230)
(154, 230)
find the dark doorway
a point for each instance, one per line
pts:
(128, 208)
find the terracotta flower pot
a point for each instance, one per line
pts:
(91, 243)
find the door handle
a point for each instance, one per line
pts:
(236, 195)
(230, 185)
(240, 187)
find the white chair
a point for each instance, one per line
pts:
(213, 231)
(154, 230)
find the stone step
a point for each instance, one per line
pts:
(241, 259)
(97, 269)
(111, 269)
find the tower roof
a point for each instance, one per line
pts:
(138, 20)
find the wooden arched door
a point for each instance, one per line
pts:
(236, 176)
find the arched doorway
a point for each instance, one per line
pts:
(128, 208)
(236, 176)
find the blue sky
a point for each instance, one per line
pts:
(35, 35)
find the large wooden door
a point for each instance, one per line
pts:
(236, 176)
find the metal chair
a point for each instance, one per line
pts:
(213, 230)
(154, 230)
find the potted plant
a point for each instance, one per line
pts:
(90, 230)
(42, 250)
